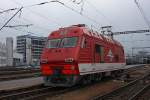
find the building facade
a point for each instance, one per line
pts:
(9, 50)
(3, 55)
(31, 47)
(17, 59)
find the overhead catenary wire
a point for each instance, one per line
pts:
(45, 18)
(136, 41)
(57, 1)
(76, 11)
(102, 14)
(142, 13)
(12, 9)
(24, 31)
(21, 30)
(38, 14)
(24, 20)
(81, 2)
(85, 16)
(82, 7)
(75, 1)
(96, 10)
(38, 4)
(12, 26)
(65, 6)
(27, 20)
(35, 25)
(10, 19)
(18, 12)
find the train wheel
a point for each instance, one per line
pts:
(87, 79)
(100, 76)
(90, 78)
(96, 77)
(115, 74)
(84, 80)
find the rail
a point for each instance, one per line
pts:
(35, 93)
(127, 91)
(140, 93)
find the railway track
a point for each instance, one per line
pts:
(18, 74)
(129, 91)
(38, 92)
(143, 94)
(18, 71)
(24, 94)
(34, 93)
(16, 68)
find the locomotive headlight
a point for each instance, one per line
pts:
(69, 60)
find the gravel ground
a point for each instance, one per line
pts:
(145, 96)
(90, 91)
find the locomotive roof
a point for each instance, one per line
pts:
(102, 37)
(83, 29)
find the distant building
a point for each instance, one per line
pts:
(31, 47)
(9, 57)
(17, 59)
(3, 55)
(142, 57)
(9, 50)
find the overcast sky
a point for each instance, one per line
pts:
(123, 15)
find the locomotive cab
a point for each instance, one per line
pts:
(59, 59)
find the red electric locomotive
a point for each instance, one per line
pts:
(76, 54)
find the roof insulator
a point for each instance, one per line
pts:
(80, 25)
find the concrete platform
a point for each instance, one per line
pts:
(20, 83)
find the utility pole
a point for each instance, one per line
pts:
(11, 18)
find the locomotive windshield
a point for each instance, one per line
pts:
(62, 43)
(53, 43)
(68, 42)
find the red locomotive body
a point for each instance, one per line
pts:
(75, 54)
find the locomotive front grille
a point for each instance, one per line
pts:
(58, 79)
(56, 71)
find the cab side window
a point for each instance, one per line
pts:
(100, 51)
(97, 48)
(83, 43)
